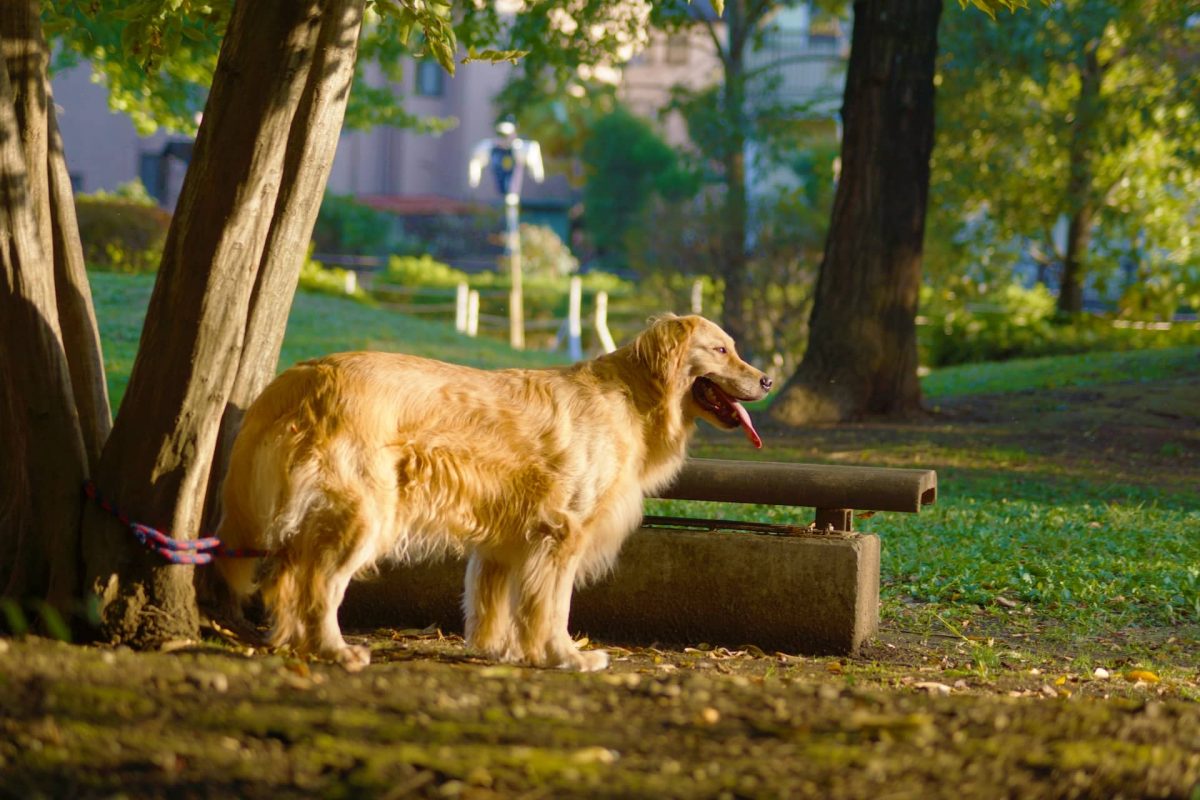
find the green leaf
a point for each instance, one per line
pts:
(493, 56)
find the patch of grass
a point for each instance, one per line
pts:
(318, 325)
(1085, 369)
(1084, 554)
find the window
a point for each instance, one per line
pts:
(431, 79)
(679, 47)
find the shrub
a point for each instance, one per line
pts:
(319, 279)
(545, 295)
(345, 225)
(422, 271)
(544, 254)
(1020, 323)
(122, 231)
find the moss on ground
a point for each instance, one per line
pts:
(431, 721)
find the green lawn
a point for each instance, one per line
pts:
(319, 324)
(1053, 372)
(1012, 525)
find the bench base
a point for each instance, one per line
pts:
(815, 594)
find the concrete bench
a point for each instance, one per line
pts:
(798, 589)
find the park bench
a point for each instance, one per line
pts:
(794, 588)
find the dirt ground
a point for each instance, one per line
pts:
(1004, 707)
(912, 717)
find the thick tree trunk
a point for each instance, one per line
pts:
(1080, 201)
(862, 351)
(45, 461)
(237, 205)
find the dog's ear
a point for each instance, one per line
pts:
(663, 346)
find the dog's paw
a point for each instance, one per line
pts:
(592, 660)
(353, 657)
(582, 660)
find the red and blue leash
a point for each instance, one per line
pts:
(176, 551)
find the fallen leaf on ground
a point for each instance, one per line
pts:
(1144, 675)
(933, 687)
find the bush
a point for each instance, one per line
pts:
(544, 254)
(122, 231)
(545, 295)
(422, 271)
(346, 226)
(319, 279)
(1020, 323)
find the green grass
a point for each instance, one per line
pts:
(318, 325)
(1089, 555)
(1085, 369)
(1077, 549)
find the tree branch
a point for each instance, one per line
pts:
(716, 40)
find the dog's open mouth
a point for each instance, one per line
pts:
(725, 408)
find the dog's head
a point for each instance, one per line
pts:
(699, 361)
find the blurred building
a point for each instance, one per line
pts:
(417, 176)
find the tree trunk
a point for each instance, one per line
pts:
(76, 312)
(733, 250)
(1080, 203)
(307, 165)
(862, 351)
(239, 208)
(45, 461)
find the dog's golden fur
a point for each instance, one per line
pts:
(538, 475)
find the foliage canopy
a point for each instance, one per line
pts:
(1023, 146)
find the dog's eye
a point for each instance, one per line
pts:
(721, 350)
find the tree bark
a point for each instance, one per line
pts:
(45, 461)
(76, 312)
(307, 165)
(254, 144)
(862, 352)
(1080, 194)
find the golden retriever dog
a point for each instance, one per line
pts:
(537, 475)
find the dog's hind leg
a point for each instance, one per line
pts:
(328, 574)
(547, 581)
(281, 596)
(487, 607)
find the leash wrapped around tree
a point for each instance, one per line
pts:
(177, 551)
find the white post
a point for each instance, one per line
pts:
(575, 320)
(516, 310)
(602, 332)
(460, 308)
(697, 296)
(351, 282)
(473, 313)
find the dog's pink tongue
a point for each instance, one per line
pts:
(747, 425)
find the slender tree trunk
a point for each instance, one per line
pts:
(256, 146)
(76, 312)
(45, 461)
(1080, 194)
(733, 101)
(306, 165)
(862, 351)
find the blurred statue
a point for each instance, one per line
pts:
(509, 157)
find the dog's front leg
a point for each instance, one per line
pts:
(547, 582)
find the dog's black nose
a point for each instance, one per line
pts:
(766, 383)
